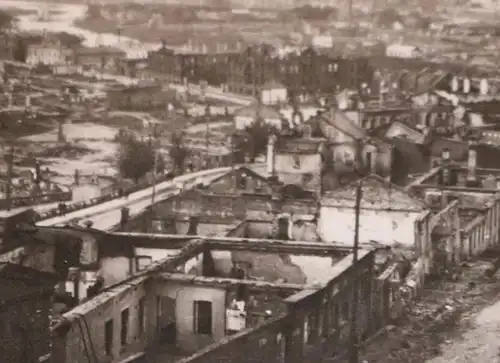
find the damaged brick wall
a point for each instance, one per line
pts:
(84, 332)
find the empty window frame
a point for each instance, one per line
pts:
(202, 317)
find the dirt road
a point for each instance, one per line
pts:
(479, 343)
(453, 322)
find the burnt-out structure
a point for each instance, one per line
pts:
(188, 307)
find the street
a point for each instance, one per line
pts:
(479, 344)
(453, 322)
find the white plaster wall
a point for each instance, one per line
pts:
(387, 227)
(274, 96)
(156, 254)
(308, 164)
(115, 269)
(82, 193)
(185, 296)
(240, 122)
(318, 270)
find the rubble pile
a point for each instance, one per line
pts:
(442, 312)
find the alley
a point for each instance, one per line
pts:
(479, 343)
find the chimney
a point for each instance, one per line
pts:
(9, 160)
(193, 226)
(124, 218)
(271, 155)
(27, 101)
(466, 85)
(76, 177)
(454, 84)
(73, 282)
(483, 87)
(471, 166)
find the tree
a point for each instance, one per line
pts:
(161, 165)
(69, 40)
(178, 152)
(135, 159)
(7, 21)
(94, 11)
(257, 137)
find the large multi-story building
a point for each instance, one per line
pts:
(308, 72)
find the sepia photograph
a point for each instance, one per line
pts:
(229, 181)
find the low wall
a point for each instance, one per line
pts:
(36, 199)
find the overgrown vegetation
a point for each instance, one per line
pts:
(178, 152)
(135, 159)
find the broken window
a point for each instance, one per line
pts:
(108, 337)
(124, 327)
(202, 315)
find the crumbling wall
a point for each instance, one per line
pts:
(82, 333)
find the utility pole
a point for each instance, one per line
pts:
(206, 119)
(9, 160)
(153, 187)
(353, 343)
(350, 14)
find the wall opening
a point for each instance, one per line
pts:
(202, 317)
(141, 316)
(108, 337)
(124, 326)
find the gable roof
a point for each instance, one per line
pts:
(341, 122)
(413, 153)
(378, 194)
(240, 169)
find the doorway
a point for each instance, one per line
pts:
(167, 327)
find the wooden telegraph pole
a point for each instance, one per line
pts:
(353, 343)
(9, 160)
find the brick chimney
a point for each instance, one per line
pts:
(271, 155)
